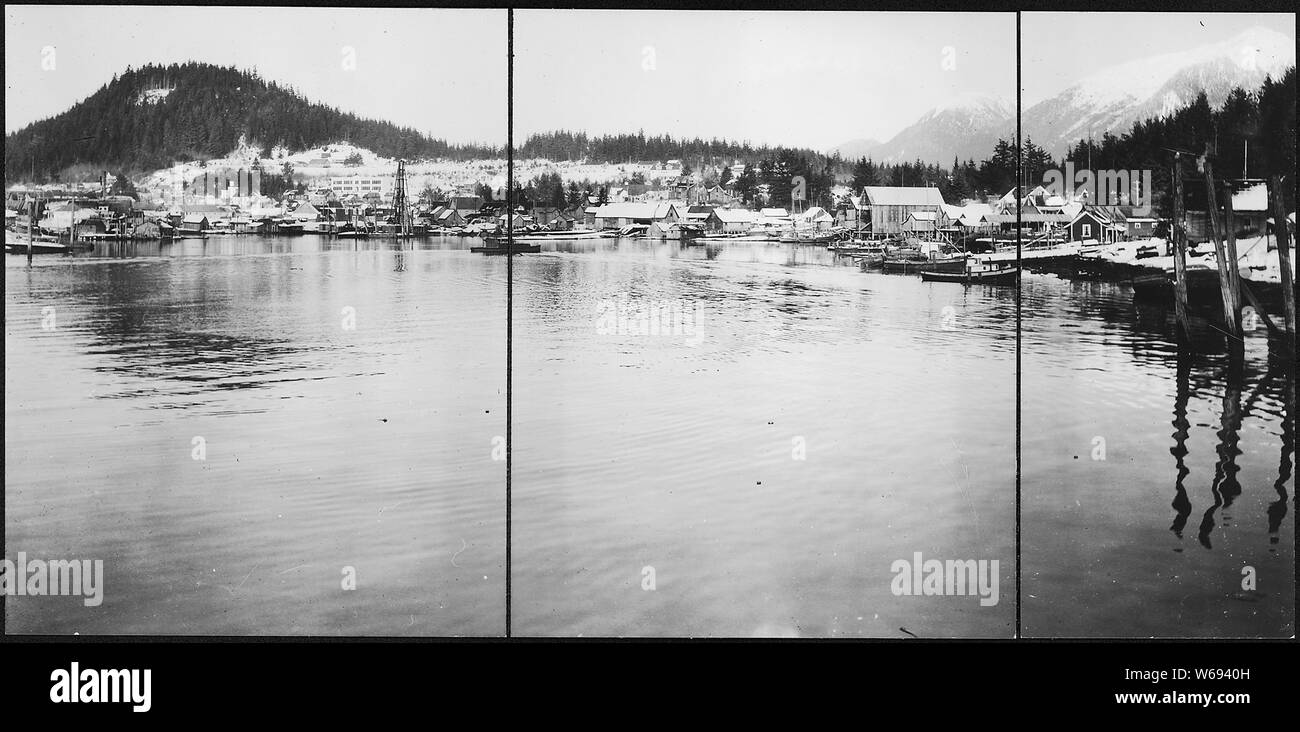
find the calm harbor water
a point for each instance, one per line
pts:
(1156, 482)
(756, 471)
(679, 453)
(327, 447)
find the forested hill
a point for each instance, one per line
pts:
(621, 148)
(148, 118)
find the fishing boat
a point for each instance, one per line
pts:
(43, 245)
(977, 272)
(858, 247)
(499, 244)
(287, 226)
(729, 238)
(906, 265)
(504, 248)
(351, 231)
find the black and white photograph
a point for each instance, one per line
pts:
(338, 329)
(254, 368)
(1158, 453)
(741, 408)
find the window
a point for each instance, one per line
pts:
(1087, 231)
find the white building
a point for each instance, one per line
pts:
(360, 185)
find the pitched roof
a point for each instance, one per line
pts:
(636, 210)
(1251, 197)
(1027, 218)
(734, 215)
(903, 196)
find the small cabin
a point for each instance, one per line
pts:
(1089, 224)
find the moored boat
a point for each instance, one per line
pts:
(977, 273)
(916, 266)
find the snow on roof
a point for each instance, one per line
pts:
(903, 196)
(635, 210)
(1253, 197)
(734, 215)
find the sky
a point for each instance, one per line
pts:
(440, 71)
(1059, 49)
(807, 79)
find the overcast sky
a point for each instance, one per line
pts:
(1059, 49)
(804, 78)
(440, 71)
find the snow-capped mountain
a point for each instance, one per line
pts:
(965, 125)
(1113, 98)
(1109, 100)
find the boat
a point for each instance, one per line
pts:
(15, 245)
(914, 266)
(501, 247)
(554, 235)
(352, 233)
(858, 247)
(287, 226)
(809, 237)
(977, 273)
(728, 238)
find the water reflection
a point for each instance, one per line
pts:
(1182, 505)
(1277, 509)
(676, 453)
(1097, 364)
(326, 446)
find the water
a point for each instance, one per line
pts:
(326, 448)
(1194, 486)
(677, 452)
(765, 463)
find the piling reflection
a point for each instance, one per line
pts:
(1277, 509)
(1182, 504)
(1096, 362)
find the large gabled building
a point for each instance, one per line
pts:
(886, 208)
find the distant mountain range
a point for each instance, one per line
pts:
(1110, 100)
(967, 126)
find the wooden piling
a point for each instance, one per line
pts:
(1259, 309)
(1180, 249)
(1230, 250)
(1283, 235)
(1231, 313)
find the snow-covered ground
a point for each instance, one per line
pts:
(318, 165)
